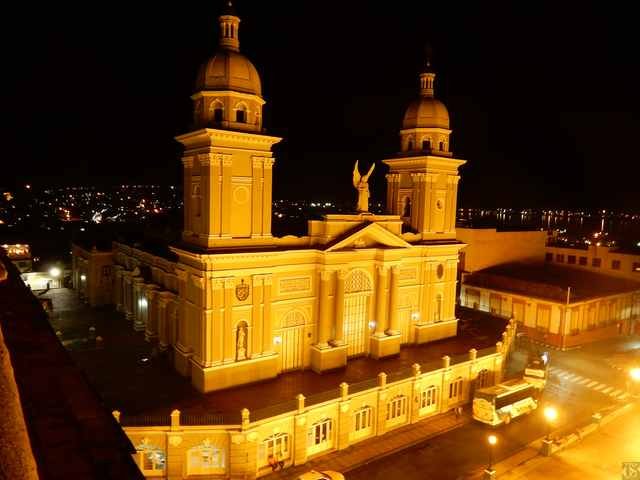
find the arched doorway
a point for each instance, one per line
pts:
(357, 290)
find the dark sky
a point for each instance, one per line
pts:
(543, 96)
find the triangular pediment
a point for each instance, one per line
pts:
(369, 236)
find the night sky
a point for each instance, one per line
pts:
(543, 97)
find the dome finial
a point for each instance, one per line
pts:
(428, 75)
(428, 57)
(229, 24)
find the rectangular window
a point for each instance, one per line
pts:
(362, 419)
(583, 261)
(560, 258)
(396, 407)
(455, 390)
(548, 257)
(429, 397)
(319, 436)
(275, 447)
(571, 259)
(615, 264)
(596, 262)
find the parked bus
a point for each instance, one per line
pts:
(501, 403)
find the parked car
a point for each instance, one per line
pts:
(326, 475)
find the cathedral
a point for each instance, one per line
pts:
(234, 304)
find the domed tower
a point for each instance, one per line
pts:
(422, 184)
(227, 159)
(425, 127)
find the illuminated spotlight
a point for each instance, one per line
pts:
(372, 324)
(550, 413)
(635, 374)
(492, 439)
(55, 272)
(83, 277)
(277, 340)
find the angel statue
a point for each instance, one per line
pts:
(361, 183)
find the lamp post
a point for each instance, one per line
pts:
(634, 381)
(550, 414)
(489, 472)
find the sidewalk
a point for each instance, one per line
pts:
(600, 455)
(378, 447)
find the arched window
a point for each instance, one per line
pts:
(455, 390)
(362, 419)
(437, 314)
(397, 407)
(406, 209)
(429, 397)
(241, 113)
(196, 199)
(151, 459)
(410, 145)
(426, 144)
(442, 146)
(484, 378)
(319, 436)
(276, 447)
(218, 114)
(205, 459)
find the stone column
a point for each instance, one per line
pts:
(257, 186)
(151, 325)
(394, 327)
(228, 347)
(187, 163)
(138, 315)
(259, 336)
(267, 320)
(227, 200)
(381, 283)
(339, 307)
(267, 200)
(324, 326)
(163, 337)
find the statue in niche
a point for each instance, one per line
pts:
(361, 183)
(241, 341)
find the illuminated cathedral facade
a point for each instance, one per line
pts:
(234, 304)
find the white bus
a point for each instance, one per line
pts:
(505, 401)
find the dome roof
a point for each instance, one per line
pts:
(229, 70)
(426, 112)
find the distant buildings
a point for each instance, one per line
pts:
(20, 255)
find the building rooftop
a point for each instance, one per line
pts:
(549, 282)
(71, 433)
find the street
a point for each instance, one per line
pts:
(580, 383)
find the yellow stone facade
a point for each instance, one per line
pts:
(239, 446)
(236, 305)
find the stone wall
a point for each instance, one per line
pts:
(311, 427)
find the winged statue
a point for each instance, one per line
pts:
(361, 183)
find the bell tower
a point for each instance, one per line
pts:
(422, 183)
(227, 162)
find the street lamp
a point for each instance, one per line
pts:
(551, 414)
(634, 381)
(492, 439)
(55, 272)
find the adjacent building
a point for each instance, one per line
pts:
(558, 306)
(596, 258)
